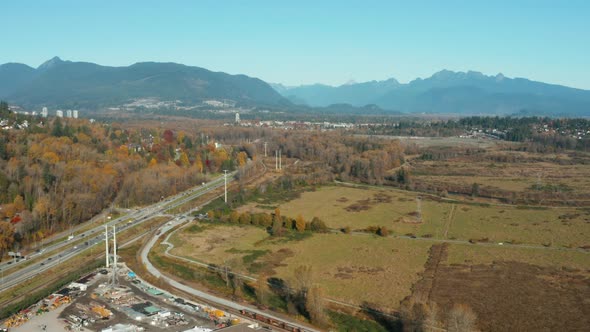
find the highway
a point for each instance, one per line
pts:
(208, 297)
(62, 251)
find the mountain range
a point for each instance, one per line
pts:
(58, 83)
(452, 93)
(83, 85)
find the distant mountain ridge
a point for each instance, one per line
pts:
(83, 85)
(450, 92)
(59, 83)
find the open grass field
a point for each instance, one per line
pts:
(340, 206)
(214, 244)
(358, 208)
(553, 227)
(468, 254)
(350, 268)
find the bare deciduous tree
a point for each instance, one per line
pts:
(314, 304)
(461, 318)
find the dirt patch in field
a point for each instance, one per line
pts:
(509, 296)
(366, 204)
(351, 272)
(408, 220)
(272, 261)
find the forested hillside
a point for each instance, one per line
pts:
(89, 86)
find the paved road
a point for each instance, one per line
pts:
(211, 298)
(95, 236)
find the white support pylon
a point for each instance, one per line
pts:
(114, 255)
(225, 182)
(106, 237)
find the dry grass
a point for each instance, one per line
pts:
(517, 289)
(212, 245)
(350, 268)
(354, 269)
(359, 208)
(555, 227)
(476, 254)
(519, 176)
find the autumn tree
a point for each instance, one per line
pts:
(6, 237)
(168, 136)
(19, 203)
(184, 162)
(198, 164)
(317, 225)
(234, 217)
(300, 223)
(266, 220)
(242, 157)
(383, 231)
(245, 218)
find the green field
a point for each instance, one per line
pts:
(359, 208)
(340, 206)
(554, 227)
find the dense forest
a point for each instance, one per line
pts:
(58, 172)
(346, 157)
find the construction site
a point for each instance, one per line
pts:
(114, 299)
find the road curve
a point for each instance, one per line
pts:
(221, 301)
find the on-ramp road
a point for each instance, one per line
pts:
(211, 298)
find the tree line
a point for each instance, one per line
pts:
(57, 173)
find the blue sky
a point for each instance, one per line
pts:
(296, 42)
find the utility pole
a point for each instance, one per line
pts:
(106, 237)
(280, 160)
(276, 159)
(265, 148)
(114, 256)
(225, 181)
